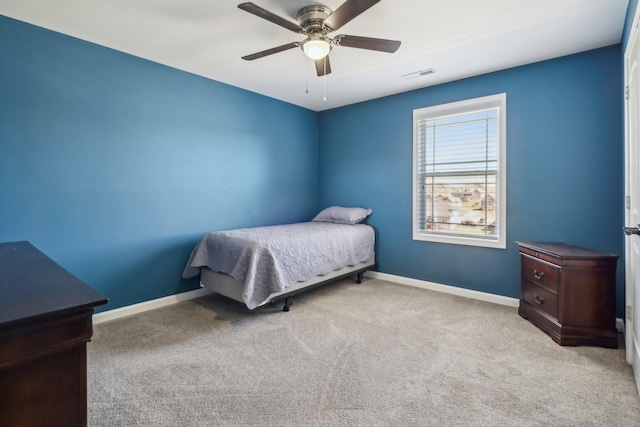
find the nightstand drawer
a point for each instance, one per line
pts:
(540, 298)
(540, 272)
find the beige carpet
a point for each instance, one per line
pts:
(375, 354)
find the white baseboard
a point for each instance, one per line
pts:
(467, 293)
(620, 325)
(130, 310)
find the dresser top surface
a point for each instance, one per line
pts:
(564, 250)
(32, 284)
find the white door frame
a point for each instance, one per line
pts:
(631, 314)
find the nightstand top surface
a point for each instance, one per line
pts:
(564, 250)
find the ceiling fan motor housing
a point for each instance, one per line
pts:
(311, 18)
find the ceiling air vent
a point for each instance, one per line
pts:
(419, 74)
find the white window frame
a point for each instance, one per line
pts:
(498, 101)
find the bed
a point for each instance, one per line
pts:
(262, 265)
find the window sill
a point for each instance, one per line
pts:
(466, 241)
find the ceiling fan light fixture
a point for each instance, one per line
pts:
(316, 47)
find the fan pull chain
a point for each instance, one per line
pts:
(324, 79)
(306, 69)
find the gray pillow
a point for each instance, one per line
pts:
(341, 215)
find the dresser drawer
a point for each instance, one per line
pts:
(44, 336)
(540, 298)
(540, 272)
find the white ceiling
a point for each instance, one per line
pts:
(457, 38)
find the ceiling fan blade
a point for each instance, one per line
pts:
(381, 45)
(271, 51)
(323, 66)
(346, 12)
(265, 14)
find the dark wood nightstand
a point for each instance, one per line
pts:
(569, 292)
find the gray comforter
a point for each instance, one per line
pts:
(269, 259)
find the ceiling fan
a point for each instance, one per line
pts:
(316, 22)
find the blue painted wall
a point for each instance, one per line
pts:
(115, 166)
(631, 10)
(565, 152)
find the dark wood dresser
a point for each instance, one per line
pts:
(569, 292)
(45, 324)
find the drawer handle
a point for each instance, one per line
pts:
(538, 275)
(538, 299)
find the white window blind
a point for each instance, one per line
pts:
(458, 188)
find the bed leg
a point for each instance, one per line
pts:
(359, 277)
(288, 302)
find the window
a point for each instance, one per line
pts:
(459, 189)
